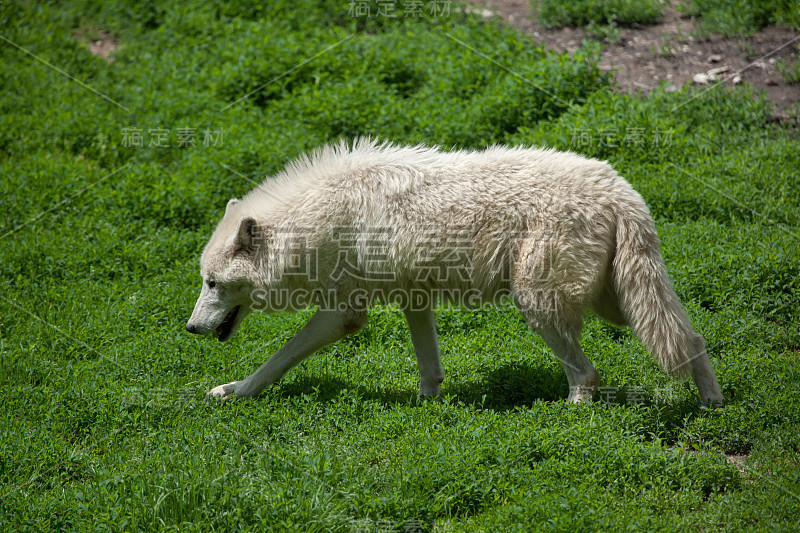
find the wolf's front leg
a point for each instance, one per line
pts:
(426, 347)
(325, 327)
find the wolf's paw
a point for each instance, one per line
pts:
(581, 394)
(429, 390)
(234, 388)
(711, 405)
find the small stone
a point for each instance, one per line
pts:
(714, 58)
(737, 80)
(700, 78)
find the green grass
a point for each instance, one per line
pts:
(105, 425)
(596, 12)
(789, 69)
(742, 17)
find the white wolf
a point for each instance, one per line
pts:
(353, 224)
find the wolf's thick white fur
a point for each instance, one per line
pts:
(557, 232)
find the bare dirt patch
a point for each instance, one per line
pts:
(100, 43)
(670, 53)
(738, 460)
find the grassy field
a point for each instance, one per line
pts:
(115, 173)
(725, 17)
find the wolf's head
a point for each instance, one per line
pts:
(228, 269)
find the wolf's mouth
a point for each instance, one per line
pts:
(224, 330)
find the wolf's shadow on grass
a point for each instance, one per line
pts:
(506, 387)
(515, 384)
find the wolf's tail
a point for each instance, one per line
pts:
(646, 296)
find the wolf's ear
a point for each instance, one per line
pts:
(232, 202)
(245, 237)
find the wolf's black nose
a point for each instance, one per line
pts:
(191, 328)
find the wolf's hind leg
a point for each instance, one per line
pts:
(606, 304)
(325, 327)
(581, 374)
(426, 347)
(703, 374)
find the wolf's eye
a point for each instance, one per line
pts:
(211, 283)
